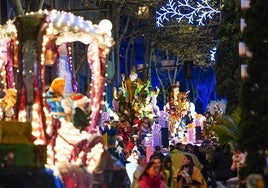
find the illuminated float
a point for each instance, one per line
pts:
(28, 44)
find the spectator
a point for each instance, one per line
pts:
(169, 172)
(220, 164)
(145, 127)
(157, 152)
(189, 175)
(136, 175)
(124, 128)
(150, 178)
(121, 151)
(139, 147)
(177, 158)
(157, 162)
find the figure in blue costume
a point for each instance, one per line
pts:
(54, 96)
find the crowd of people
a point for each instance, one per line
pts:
(179, 165)
(188, 166)
(209, 164)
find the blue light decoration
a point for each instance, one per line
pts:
(196, 12)
(212, 54)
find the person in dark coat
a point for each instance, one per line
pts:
(158, 152)
(220, 164)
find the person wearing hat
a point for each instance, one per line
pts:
(81, 116)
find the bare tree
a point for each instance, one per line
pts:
(21, 7)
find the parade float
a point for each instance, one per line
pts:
(33, 130)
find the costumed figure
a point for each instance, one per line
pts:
(163, 119)
(121, 104)
(118, 100)
(81, 115)
(108, 132)
(54, 96)
(131, 84)
(172, 121)
(184, 104)
(156, 131)
(68, 106)
(137, 105)
(173, 97)
(147, 110)
(136, 124)
(124, 86)
(176, 92)
(154, 94)
(7, 104)
(112, 132)
(124, 128)
(145, 127)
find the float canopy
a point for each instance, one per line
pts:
(67, 27)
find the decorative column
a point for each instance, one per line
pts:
(29, 75)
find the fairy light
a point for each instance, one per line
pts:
(36, 125)
(22, 116)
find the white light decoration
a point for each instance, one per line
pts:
(245, 4)
(243, 50)
(242, 24)
(105, 26)
(72, 28)
(244, 72)
(195, 12)
(212, 54)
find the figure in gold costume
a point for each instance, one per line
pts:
(132, 83)
(8, 103)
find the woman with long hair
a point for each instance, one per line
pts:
(190, 176)
(150, 177)
(169, 172)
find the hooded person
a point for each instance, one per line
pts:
(81, 116)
